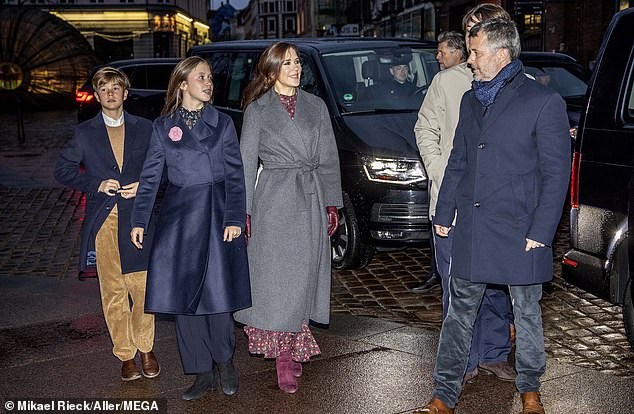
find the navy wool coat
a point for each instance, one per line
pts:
(91, 147)
(506, 178)
(192, 271)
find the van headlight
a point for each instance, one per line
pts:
(394, 171)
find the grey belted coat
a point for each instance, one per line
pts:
(289, 249)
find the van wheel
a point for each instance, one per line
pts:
(628, 313)
(348, 251)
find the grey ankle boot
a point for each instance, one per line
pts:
(204, 381)
(228, 377)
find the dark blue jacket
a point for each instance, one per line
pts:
(506, 178)
(192, 270)
(90, 147)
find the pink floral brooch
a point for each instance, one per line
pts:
(175, 133)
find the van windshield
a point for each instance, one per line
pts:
(380, 79)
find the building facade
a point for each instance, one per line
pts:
(575, 27)
(126, 29)
(269, 19)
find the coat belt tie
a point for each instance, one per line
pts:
(306, 178)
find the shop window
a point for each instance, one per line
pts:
(532, 22)
(530, 27)
(107, 50)
(162, 44)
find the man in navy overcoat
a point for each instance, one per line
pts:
(506, 179)
(111, 148)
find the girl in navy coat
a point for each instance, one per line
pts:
(198, 265)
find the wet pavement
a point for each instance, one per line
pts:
(378, 353)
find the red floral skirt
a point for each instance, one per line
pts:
(301, 345)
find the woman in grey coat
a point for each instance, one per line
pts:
(292, 210)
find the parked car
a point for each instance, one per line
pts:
(602, 171)
(148, 84)
(383, 179)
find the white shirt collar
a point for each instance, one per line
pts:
(111, 122)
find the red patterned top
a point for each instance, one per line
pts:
(289, 102)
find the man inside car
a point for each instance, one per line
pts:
(399, 86)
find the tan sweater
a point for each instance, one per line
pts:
(117, 137)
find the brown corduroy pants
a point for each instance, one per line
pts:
(130, 328)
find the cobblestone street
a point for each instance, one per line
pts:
(39, 230)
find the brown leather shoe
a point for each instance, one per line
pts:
(435, 406)
(129, 371)
(532, 404)
(150, 365)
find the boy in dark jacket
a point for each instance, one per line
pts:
(111, 147)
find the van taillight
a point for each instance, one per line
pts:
(574, 180)
(569, 262)
(83, 96)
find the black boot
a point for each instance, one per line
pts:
(431, 282)
(228, 377)
(203, 382)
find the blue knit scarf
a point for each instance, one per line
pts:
(487, 91)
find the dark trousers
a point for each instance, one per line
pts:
(458, 327)
(491, 333)
(433, 267)
(203, 339)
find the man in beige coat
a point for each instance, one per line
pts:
(451, 52)
(435, 128)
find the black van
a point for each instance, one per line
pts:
(383, 178)
(602, 172)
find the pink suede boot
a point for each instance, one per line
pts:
(285, 378)
(296, 368)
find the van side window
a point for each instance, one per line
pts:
(309, 81)
(425, 68)
(220, 66)
(564, 80)
(131, 72)
(158, 76)
(629, 112)
(241, 73)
